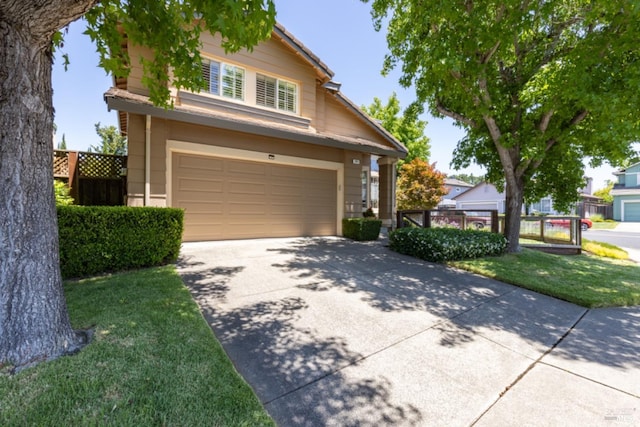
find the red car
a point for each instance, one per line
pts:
(585, 224)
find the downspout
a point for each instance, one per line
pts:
(147, 162)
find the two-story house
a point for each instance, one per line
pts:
(626, 194)
(270, 148)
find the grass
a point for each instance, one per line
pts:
(589, 281)
(604, 225)
(153, 361)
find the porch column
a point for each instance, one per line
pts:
(387, 202)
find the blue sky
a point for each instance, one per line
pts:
(339, 32)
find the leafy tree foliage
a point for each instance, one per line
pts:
(537, 85)
(61, 191)
(605, 193)
(468, 178)
(112, 142)
(406, 129)
(34, 323)
(419, 185)
(176, 46)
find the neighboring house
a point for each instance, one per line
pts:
(626, 194)
(481, 197)
(454, 187)
(486, 196)
(271, 148)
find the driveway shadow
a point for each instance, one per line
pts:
(300, 369)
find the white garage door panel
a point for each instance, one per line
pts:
(235, 199)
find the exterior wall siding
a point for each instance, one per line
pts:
(316, 104)
(353, 184)
(339, 120)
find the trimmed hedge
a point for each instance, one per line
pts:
(446, 244)
(361, 228)
(98, 239)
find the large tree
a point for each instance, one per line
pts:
(111, 141)
(34, 323)
(405, 128)
(537, 85)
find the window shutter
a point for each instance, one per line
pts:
(287, 96)
(233, 82)
(265, 91)
(239, 83)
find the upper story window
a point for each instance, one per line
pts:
(276, 93)
(223, 79)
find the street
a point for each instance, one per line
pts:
(623, 239)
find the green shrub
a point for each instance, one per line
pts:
(61, 191)
(446, 244)
(596, 218)
(361, 228)
(97, 239)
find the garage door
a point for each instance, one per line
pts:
(632, 211)
(237, 199)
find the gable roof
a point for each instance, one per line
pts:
(123, 100)
(492, 188)
(301, 50)
(622, 171)
(457, 183)
(120, 99)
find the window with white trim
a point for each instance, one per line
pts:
(223, 79)
(276, 93)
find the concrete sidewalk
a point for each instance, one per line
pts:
(332, 332)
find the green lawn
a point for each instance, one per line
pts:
(153, 362)
(587, 280)
(605, 225)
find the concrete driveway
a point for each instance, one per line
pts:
(333, 332)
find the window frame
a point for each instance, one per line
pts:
(279, 98)
(230, 80)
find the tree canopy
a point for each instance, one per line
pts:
(34, 323)
(111, 141)
(420, 185)
(605, 193)
(537, 86)
(177, 45)
(405, 128)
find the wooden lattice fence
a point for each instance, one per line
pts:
(93, 178)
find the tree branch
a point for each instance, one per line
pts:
(487, 56)
(455, 116)
(580, 116)
(544, 121)
(484, 90)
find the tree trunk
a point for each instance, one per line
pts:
(34, 324)
(513, 210)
